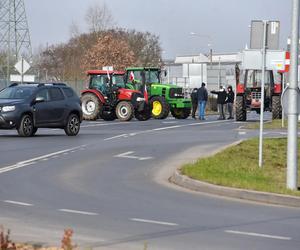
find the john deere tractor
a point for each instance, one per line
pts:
(163, 98)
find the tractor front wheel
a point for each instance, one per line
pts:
(240, 109)
(276, 108)
(181, 113)
(124, 111)
(159, 107)
(91, 106)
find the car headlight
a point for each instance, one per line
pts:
(8, 108)
(140, 99)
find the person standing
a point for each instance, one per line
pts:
(202, 100)
(222, 95)
(230, 101)
(194, 97)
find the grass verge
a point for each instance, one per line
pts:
(237, 167)
(274, 124)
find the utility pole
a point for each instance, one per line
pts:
(292, 147)
(14, 32)
(262, 100)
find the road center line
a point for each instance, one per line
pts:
(77, 212)
(18, 203)
(259, 235)
(32, 161)
(163, 128)
(154, 222)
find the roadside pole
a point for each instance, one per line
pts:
(262, 100)
(292, 146)
(282, 111)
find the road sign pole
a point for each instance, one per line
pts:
(292, 146)
(262, 100)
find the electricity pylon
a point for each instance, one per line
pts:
(14, 32)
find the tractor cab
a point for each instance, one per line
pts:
(103, 81)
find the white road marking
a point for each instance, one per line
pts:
(163, 128)
(115, 137)
(259, 235)
(32, 161)
(242, 133)
(154, 222)
(103, 124)
(18, 203)
(129, 155)
(77, 212)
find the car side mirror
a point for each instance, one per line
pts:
(39, 99)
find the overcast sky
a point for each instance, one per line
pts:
(225, 21)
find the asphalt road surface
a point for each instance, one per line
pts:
(109, 184)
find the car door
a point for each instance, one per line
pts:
(43, 110)
(58, 103)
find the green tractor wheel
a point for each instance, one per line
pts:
(181, 113)
(159, 107)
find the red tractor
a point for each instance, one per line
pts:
(107, 98)
(248, 92)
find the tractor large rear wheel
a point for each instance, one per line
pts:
(143, 115)
(108, 116)
(124, 111)
(276, 108)
(181, 113)
(159, 107)
(91, 106)
(240, 109)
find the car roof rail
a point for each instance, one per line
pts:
(13, 84)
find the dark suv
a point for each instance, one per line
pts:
(28, 107)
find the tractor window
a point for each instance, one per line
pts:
(118, 80)
(254, 78)
(152, 77)
(99, 82)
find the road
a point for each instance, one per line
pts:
(109, 184)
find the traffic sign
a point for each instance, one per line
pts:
(22, 66)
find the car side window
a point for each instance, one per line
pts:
(68, 92)
(44, 93)
(56, 94)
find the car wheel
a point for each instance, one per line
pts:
(73, 125)
(26, 127)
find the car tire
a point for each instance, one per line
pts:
(73, 125)
(124, 111)
(91, 106)
(26, 127)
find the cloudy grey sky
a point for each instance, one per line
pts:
(226, 21)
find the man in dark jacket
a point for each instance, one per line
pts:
(194, 97)
(222, 95)
(202, 100)
(230, 101)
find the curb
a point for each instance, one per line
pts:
(262, 197)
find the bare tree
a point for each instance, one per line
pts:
(99, 18)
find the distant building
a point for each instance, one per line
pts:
(190, 71)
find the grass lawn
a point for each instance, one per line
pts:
(237, 167)
(274, 124)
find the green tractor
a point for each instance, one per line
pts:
(163, 98)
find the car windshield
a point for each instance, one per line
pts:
(16, 93)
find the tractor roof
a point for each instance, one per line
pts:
(142, 68)
(104, 72)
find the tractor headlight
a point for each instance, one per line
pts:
(140, 99)
(8, 108)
